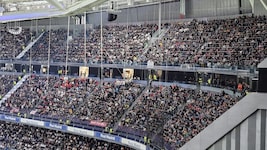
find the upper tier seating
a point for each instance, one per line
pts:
(209, 43)
(11, 45)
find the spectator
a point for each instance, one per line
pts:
(12, 45)
(18, 136)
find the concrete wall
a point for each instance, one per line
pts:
(146, 13)
(245, 6)
(44, 22)
(249, 135)
(260, 7)
(56, 23)
(208, 8)
(169, 11)
(247, 129)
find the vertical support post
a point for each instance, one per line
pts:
(67, 50)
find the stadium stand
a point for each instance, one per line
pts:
(11, 45)
(214, 43)
(180, 113)
(79, 100)
(168, 115)
(109, 101)
(39, 50)
(121, 44)
(7, 82)
(73, 99)
(155, 106)
(199, 111)
(241, 45)
(18, 136)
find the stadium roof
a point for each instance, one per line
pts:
(15, 10)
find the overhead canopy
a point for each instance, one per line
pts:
(51, 8)
(17, 10)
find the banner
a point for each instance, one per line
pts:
(83, 132)
(9, 118)
(134, 144)
(104, 136)
(55, 126)
(32, 122)
(98, 123)
(108, 137)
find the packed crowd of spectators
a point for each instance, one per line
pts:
(6, 83)
(213, 43)
(39, 51)
(73, 98)
(177, 112)
(121, 44)
(41, 94)
(12, 44)
(198, 112)
(204, 43)
(238, 42)
(108, 102)
(18, 136)
(155, 106)
(180, 44)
